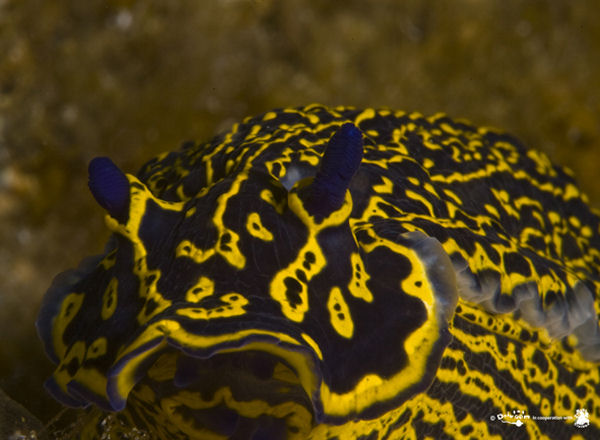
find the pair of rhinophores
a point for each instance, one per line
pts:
(335, 273)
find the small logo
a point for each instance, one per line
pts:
(515, 417)
(582, 418)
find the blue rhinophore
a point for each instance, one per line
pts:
(109, 186)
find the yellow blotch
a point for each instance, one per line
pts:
(203, 288)
(417, 285)
(181, 193)
(339, 313)
(228, 248)
(256, 228)
(68, 309)
(187, 249)
(414, 181)
(109, 299)
(312, 158)
(432, 145)
(449, 129)
(234, 304)
(526, 201)
(492, 210)
(574, 222)
(387, 187)
(382, 163)
(554, 217)
(268, 197)
(365, 115)
(501, 195)
(571, 192)
(314, 119)
(358, 284)
(431, 189)
(96, 348)
(229, 165)
(453, 196)
(255, 130)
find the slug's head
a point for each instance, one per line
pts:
(244, 297)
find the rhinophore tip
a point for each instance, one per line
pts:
(340, 161)
(109, 186)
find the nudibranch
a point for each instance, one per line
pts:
(336, 273)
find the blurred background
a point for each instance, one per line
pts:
(130, 79)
